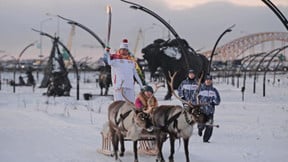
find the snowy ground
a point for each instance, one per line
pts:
(34, 128)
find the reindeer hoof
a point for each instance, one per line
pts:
(160, 160)
(167, 98)
(121, 154)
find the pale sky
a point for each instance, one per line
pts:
(200, 22)
(184, 4)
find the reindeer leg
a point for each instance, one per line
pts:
(122, 149)
(160, 140)
(135, 143)
(106, 91)
(172, 148)
(115, 144)
(101, 92)
(186, 142)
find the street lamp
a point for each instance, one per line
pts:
(214, 48)
(58, 22)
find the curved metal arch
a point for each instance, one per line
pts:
(267, 66)
(273, 56)
(277, 12)
(72, 58)
(251, 59)
(238, 46)
(165, 23)
(72, 22)
(272, 52)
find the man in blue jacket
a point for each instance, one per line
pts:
(187, 87)
(209, 97)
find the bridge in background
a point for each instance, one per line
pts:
(249, 45)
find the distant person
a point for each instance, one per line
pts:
(123, 71)
(209, 96)
(30, 78)
(187, 87)
(21, 81)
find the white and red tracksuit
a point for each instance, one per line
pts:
(123, 72)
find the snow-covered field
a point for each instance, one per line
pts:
(35, 128)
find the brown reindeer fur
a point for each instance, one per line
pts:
(176, 122)
(124, 121)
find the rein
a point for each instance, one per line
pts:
(122, 118)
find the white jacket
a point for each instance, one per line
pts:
(123, 71)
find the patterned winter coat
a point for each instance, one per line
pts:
(209, 95)
(187, 88)
(141, 103)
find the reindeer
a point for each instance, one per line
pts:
(125, 121)
(177, 122)
(105, 79)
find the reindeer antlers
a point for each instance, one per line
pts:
(198, 88)
(172, 89)
(125, 98)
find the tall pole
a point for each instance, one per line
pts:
(58, 23)
(214, 48)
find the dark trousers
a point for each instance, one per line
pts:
(208, 130)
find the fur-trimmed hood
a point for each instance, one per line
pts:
(144, 99)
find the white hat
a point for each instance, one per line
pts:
(124, 44)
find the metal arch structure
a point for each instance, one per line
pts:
(234, 49)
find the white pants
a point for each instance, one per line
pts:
(129, 94)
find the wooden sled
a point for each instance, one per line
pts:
(106, 145)
(146, 142)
